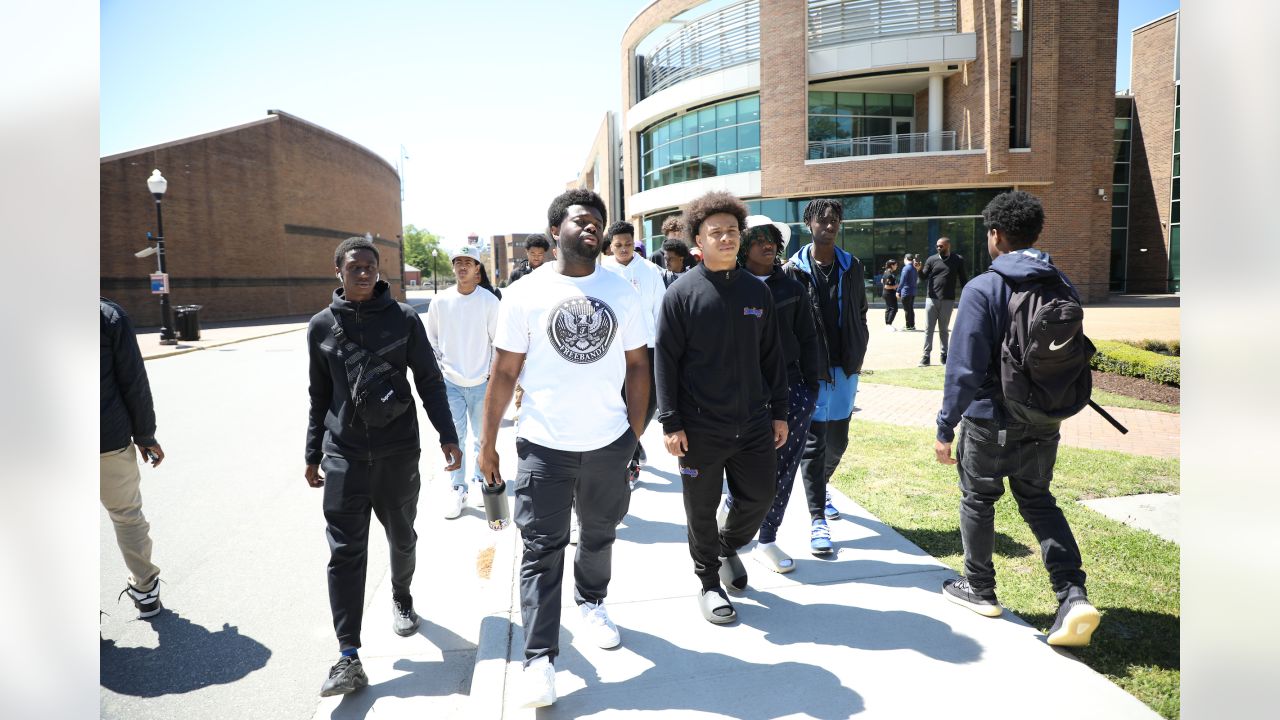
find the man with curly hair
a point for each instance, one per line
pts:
(833, 281)
(722, 397)
(990, 447)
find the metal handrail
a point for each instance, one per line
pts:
(730, 36)
(834, 22)
(881, 145)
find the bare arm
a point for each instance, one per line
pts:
(502, 385)
(637, 385)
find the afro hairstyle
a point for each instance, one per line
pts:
(714, 202)
(1018, 214)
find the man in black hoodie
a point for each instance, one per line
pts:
(990, 446)
(369, 468)
(722, 396)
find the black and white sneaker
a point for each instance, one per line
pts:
(404, 621)
(982, 602)
(148, 603)
(346, 676)
(1077, 619)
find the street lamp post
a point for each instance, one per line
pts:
(435, 284)
(157, 185)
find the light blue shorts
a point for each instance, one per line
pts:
(835, 399)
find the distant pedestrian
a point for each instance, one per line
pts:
(889, 291)
(127, 424)
(944, 274)
(759, 256)
(460, 327)
(722, 397)
(834, 284)
(363, 432)
(536, 249)
(907, 290)
(582, 331)
(676, 255)
(992, 444)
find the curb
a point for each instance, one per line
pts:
(184, 351)
(489, 677)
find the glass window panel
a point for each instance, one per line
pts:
(707, 144)
(1121, 174)
(822, 103)
(749, 109)
(693, 170)
(844, 127)
(726, 114)
(727, 163)
(1174, 212)
(922, 204)
(1122, 129)
(647, 163)
(690, 147)
(749, 135)
(1177, 162)
(706, 119)
(727, 139)
(957, 202)
(1176, 194)
(904, 105)
(876, 126)
(890, 205)
(1119, 194)
(748, 160)
(1177, 118)
(690, 122)
(661, 135)
(774, 209)
(1122, 152)
(675, 129)
(879, 104)
(1119, 217)
(821, 127)
(1177, 141)
(678, 173)
(849, 103)
(646, 142)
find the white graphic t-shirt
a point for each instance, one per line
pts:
(574, 333)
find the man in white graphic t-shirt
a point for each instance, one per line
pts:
(583, 333)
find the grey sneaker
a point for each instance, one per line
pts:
(404, 621)
(1077, 619)
(982, 602)
(346, 676)
(148, 603)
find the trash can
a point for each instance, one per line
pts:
(187, 321)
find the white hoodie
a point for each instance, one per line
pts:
(646, 278)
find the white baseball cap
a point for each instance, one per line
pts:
(466, 251)
(760, 220)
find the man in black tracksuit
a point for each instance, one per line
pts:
(722, 396)
(369, 468)
(942, 275)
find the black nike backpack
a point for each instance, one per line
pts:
(1044, 358)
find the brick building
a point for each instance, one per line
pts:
(913, 113)
(1146, 217)
(252, 215)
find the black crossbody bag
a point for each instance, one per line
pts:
(379, 390)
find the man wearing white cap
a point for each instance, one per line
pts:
(460, 325)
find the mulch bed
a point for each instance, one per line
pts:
(1136, 388)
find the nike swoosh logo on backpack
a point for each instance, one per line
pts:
(1055, 346)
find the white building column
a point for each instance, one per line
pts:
(935, 112)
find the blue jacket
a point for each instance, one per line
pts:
(972, 385)
(907, 281)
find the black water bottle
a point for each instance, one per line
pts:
(495, 505)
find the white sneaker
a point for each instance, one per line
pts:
(597, 627)
(538, 683)
(455, 502)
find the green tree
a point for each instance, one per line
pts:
(419, 245)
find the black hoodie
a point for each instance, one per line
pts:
(393, 331)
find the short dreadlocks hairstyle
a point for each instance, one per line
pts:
(537, 240)
(567, 199)
(357, 242)
(761, 233)
(716, 201)
(622, 227)
(1019, 214)
(816, 208)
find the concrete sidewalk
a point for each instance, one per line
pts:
(864, 633)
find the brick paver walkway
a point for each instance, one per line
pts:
(1152, 433)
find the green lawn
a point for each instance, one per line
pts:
(930, 378)
(1133, 575)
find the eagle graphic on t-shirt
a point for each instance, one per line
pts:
(581, 329)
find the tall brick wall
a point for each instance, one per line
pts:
(252, 215)
(1152, 81)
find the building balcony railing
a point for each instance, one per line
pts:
(835, 22)
(882, 145)
(727, 37)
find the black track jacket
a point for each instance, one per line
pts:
(719, 362)
(390, 329)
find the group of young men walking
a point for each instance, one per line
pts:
(750, 363)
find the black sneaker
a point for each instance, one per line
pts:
(404, 620)
(346, 676)
(961, 593)
(148, 603)
(1077, 619)
(943, 361)
(924, 361)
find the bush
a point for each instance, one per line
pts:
(1164, 347)
(1124, 359)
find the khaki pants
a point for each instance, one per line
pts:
(123, 501)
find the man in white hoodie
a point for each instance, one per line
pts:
(646, 278)
(460, 325)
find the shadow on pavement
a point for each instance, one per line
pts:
(934, 543)
(1126, 641)
(856, 627)
(649, 532)
(671, 484)
(422, 678)
(715, 683)
(189, 657)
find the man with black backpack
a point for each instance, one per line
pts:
(1019, 366)
(362, 430)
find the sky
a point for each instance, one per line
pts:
(496, 102)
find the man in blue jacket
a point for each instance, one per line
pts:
(907, 289)
(127, 424)
(990, 446)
